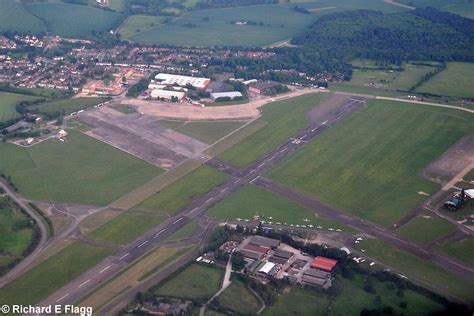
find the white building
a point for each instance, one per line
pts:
(232, 95)
(182, 81)
(167, 95)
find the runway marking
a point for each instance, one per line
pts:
(143, 244)
(84, 283)
(104, 269)
(253, 170)
(283, 150)
(251, 181)
(223, 190)
(271, 158)
(260, 165)
(161, 231)
(303, 137)
(124, 256)
(357, 100)
(62, 297)
(194, 210)
(180, 219)
(324, 123)
(236, 181)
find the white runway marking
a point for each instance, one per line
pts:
(124, 256)
(84, 283)
(62, 297)
(143, 244)
(104, 269)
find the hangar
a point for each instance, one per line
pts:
(182, 81)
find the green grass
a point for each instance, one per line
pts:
(414, 267)
(53, 273)
(346, 87)
(461, 250)
(178, 194)
(8, 101)
(14, 17)
(186, 231)
(139, 23)
(372, 158)
(461, 7)
(285, 119)
(425, 228)
(196, 282)
(67, 172)
(125, 228)
(239, 299)
(117, 5)
(298, 302)
(66, 107)
(125, 109)
(71, 20)
(455, 80)
(207, 132)
(251, 200)
(279, 23)
(343, 5)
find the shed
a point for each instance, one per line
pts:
(264, 242)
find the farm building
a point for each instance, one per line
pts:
(167, 95)
(232, 95)
(182, 81)
(251, 254)
(256, 248)
(263, 86)
(323, 263)
(264, 242)
(267, 268)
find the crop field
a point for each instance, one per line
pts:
(246, 304)
(16, 232)
(207, 132)
(53, 273)
(180, 193)
(14, 17)
(284, 118)
(414, 267)
(71, 20)
(196, 282)
(373, 157)
(251, 200)
(67, 172)
(66, 107)
(8, 102)
(139, 23)
(455, 80)
(425, 229)
(266, 24)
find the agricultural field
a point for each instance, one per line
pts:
(8, 101)
(135, 24)
(196, 282)
(14, 17)
(246, 304)
(71, 20)
(426, 228)
(251, 200)
(266, 24)
(461, 250)
(284, 118)
(66, 172)
(455, 80)
(179, 193)
(381, 149)
(41, 282)
(461, 7)
(17, 233)
(207, 132)
(67, 106)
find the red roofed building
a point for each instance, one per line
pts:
(257, 249)
(323, 263)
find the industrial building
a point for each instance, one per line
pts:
(263, 87)
(323, 263)
(167, 95)
(264, 242)
(232, 95)
(182, 81)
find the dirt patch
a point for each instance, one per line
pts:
(335, 105)
(398, 4)
(322, 9)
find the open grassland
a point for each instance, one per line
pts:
(461, 250)
(53, 273)
(117, 5)
(455, 80)
(125, 228)
(186, 231)
(284, 118)
(185, 189)
(425, 229)
(372, 158)
(67, 172)
(462, 7)
(246, 304)
(66, 107)
(14, 17)
(17, 232)
(8, 101)
(251, 200)
(419, 269)
(207, 132)
(71, 20)
(266, 24)
(322, 7)
(196, 282)
(139, 23)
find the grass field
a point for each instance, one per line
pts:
(373, 157)
(139, 23)
(185, 189)
(66, 107)
(414, 267)
(455, 80)
(8, 102)
(218, 27)
(285, 119)
(67, 172)
(16, 233)
(426, 228)
(461, 7)
(246, 304)
(186, 231)
(52, 273)
(251, 200)
(207, 132)
(14, 17)
(461, 250)
(196, 282)
(71, 20)
(343, 5)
